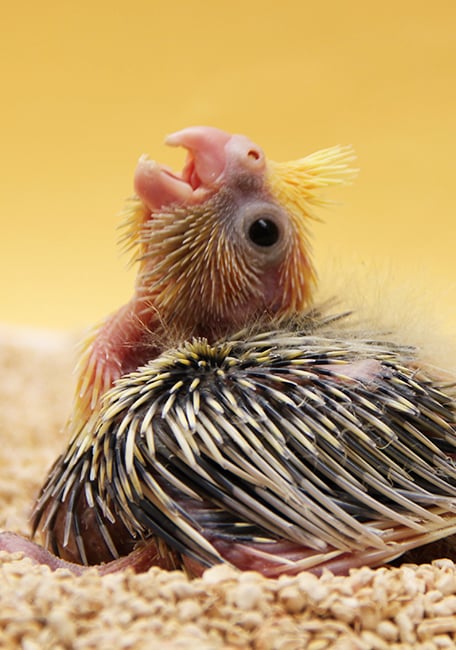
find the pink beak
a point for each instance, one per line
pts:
(213, 158)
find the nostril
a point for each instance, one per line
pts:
(242, 153)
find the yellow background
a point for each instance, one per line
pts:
(87, 86)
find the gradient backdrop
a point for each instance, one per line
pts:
(88, 86)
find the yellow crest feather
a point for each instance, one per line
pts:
(297, 183)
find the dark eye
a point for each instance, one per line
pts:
(264, 232)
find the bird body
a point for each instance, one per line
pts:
(220, 416)
(278, 450)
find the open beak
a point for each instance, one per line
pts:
(213, 157)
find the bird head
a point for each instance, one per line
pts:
(226, 241)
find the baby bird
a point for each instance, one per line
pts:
(218, 246)
(220, 416)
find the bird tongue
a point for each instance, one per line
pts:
(212, 155)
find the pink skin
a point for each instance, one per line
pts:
(139, 560)
(248, 558)
(251, 557)
(213, 158)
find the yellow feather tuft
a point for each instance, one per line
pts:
(133, 218)
(297, 183)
